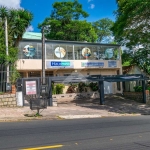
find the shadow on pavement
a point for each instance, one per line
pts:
(113, 103)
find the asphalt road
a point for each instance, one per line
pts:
(115, 133)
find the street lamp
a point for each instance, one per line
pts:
(43, 55)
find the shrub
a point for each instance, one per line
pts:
(93, 86)
(138, 88)
(58, 88)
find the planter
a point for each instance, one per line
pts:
(13, 89)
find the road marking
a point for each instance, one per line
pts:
(43, 147)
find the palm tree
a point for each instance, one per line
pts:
(21, 20)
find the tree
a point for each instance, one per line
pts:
(127, 59)
(142, 60)
(64, 23)
(132, 24)
(103, 28)
(18, 20)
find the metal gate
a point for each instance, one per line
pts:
(36, 91)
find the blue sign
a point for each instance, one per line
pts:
(112, 64)
(92, 64)
(59, 64)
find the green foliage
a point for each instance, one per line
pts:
(81, 87)
(58, 88)
(138, 88)
(17, 21)
(14, 75)
(132, 22)
(127, 59)
(93, 86)
(64, 23)
(103, 28)
(142, 60)
(148, 88)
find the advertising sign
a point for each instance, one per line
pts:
(59, 64)
(31, 87)
(60, 52)
(86, 52)
(92, 64)
(29, 51)
(112, 64)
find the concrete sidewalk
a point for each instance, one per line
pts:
(114, 106)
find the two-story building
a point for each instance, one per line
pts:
(64, 58)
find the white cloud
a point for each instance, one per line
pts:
(30, 29)
(89, 1)
(92, 6)
(11, 3)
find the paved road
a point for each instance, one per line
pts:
(115, 133)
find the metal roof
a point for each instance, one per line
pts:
(32, 35)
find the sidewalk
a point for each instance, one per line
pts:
(114, 106)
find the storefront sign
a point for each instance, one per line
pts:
(92, 64)
(112, 64)
(59, 64)
(31, 88)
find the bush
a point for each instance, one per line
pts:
(148, 88)
(138, 88)
(58, 88)
(93, 86)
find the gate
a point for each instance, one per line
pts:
(36, 91)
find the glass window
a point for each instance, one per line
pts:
(30, 50)
(49, 51)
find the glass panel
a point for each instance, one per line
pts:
(109, 53)
(78, 52)
(49, 51)
(30, 50)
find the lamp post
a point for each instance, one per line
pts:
(43, 56)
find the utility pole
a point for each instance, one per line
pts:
(6, 44)
(43, 55)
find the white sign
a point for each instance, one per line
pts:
(31, 88)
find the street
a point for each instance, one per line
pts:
(115, 133)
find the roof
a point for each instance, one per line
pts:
(36, 37)
(32, 35)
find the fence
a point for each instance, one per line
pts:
(5, 85)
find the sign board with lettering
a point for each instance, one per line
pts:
(59, 64)
(112, 64)
(31, 87)
(92, 64)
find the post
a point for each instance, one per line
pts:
(43, 56)
(6, 44)
(143, 89)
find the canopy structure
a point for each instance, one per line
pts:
(101, 78)
(44, 85)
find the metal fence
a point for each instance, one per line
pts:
(5, 85)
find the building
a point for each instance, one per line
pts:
(64, 58)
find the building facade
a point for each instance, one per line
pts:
(64, 58)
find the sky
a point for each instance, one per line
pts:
(97, 9)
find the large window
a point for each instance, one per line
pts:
(66, 51)
(30, 50)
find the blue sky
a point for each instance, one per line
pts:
(41, 9)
